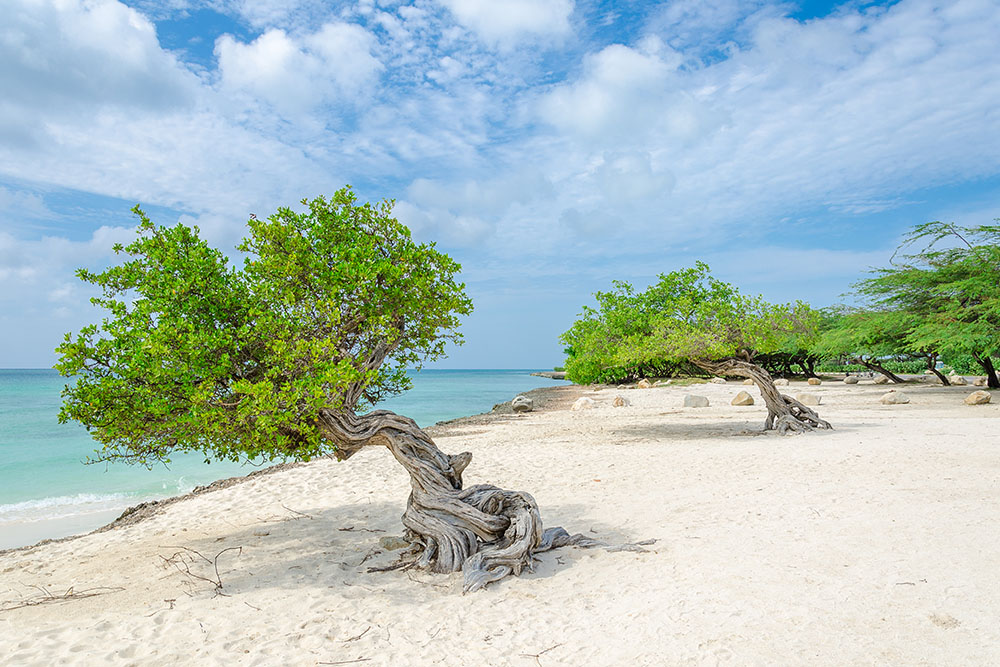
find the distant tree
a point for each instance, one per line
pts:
(689, 317)
(950, 286)
(871, 338)
(276, 359)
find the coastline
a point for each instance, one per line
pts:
(871, 543)
(544, 397)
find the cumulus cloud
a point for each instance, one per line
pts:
(68, 57)
(514, 20)
(331, 65)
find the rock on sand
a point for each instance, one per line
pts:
(583, 403)
(693, 401)
(978, 398)
(742, 398)
(894, 398)
(808, 399)
(522, 404)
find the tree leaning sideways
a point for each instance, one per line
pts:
(950, 288)
(689, 316)
(278, 358)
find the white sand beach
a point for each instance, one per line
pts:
(872, 544)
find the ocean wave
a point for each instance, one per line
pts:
(58, 507)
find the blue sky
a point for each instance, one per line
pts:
(551, 146)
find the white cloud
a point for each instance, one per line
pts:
(69, 57)
(331, 65)
(510, 21)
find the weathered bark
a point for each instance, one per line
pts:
(991, 372)
(484, 531)
(932, 367)
(878, 368)
(784, 413)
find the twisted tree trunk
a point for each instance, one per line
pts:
(932, 367)
(876, 367)
(484, 531)
(992, 381)
(784, 413)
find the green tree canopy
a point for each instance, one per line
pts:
(329, 309)
(688, 316)
(947, 279)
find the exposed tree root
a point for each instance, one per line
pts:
(484, 531)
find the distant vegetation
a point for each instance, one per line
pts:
(689, 320)
(936, 307)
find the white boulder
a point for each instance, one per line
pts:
(693, 401)
(583, 403)
(808, 399)
(894, 398)
(522, 404)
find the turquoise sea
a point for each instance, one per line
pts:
(46, 491)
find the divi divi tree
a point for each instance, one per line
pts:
(690, 317)
(279, 358)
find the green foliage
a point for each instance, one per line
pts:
(852, 333)
(330, 307)
(948, 290)
(686, 315)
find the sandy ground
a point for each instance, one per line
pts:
(873, 544)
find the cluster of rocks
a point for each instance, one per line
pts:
(742, 398)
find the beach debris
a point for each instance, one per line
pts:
(814, 381)
(978, 398)
(851, 379)
(662, 383)
(894, 398)
(583, 403)
(748, 382)
(621, 402)
(781, 382)
(45, 597)
(957, 380)
(881, 379)
(742, 398)
(622, 386)
(184, 559)
(694, 401)
(979, 382)
(644, 384)
(393, 542)
(522, 404)
(808, 399)
(718, 380)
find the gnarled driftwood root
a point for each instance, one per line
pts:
(484, 531)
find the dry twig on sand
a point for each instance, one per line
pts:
(182, 561)
(49, 598)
